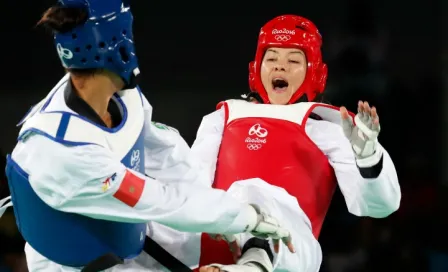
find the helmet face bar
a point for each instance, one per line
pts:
(290, 31)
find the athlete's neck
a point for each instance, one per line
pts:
(96, 91)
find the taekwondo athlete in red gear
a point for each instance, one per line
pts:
(289, 153)
(77, 174)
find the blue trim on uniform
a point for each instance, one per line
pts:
(56, 88)
(110, 130)
(25, 134)
(21, 172)
(16, 166)
(63, 125)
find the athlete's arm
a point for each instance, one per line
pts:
(166, 152)
(90, 181)
(373, 192)
(205, 148)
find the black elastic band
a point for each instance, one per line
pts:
(164, 257)
(102, 263)
(151, 248)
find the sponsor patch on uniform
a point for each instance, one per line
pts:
(131, 189)
(164, 127)
(106, 183)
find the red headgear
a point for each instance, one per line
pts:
(293, 32)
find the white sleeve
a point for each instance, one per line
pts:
(205, 148)
(377, 196)
(74, 180)
(166, 151)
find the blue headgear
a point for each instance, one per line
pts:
(104, 41)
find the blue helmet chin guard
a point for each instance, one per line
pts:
(104, 41)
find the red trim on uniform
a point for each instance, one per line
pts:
(220, 105)
(311, 109)
(226, 110)
(226, 113)
(131, 189)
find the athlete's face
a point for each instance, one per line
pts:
(283, 71)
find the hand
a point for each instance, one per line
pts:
(232, 241)
(265, 227)
(363, 136)
(253, 260)
(268, 227)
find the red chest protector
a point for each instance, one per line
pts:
(270, 142)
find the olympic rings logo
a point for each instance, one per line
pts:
(253, 146)
(135, 157)
(64, 53)
(282, 38)
(258, 130)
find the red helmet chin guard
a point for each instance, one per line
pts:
(290, 31)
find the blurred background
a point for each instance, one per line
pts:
(393, 54)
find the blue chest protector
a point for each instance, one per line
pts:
(71, 239)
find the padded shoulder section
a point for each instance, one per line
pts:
(54, 126)
(31, 112)
(327, 112)
(43, 103)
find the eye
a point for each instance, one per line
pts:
(270, 59)
(294, 61)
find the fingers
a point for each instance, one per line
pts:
(235, 249)
(364, 108)
(347, 123)
(229, 238)
(375, 119)
(288, 242)
(344, 113)
(216, 237)
(276, 243)
(289, 245)
(369, 115)
(232, 241)
(219, 237)
(209, 269)
(234, 246)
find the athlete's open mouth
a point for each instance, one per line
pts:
(279, 84)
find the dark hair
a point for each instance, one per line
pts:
(62, 19)
(59, 19)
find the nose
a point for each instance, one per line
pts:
(280, 67)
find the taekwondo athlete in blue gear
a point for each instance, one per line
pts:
(78, 186)
(108, 35)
